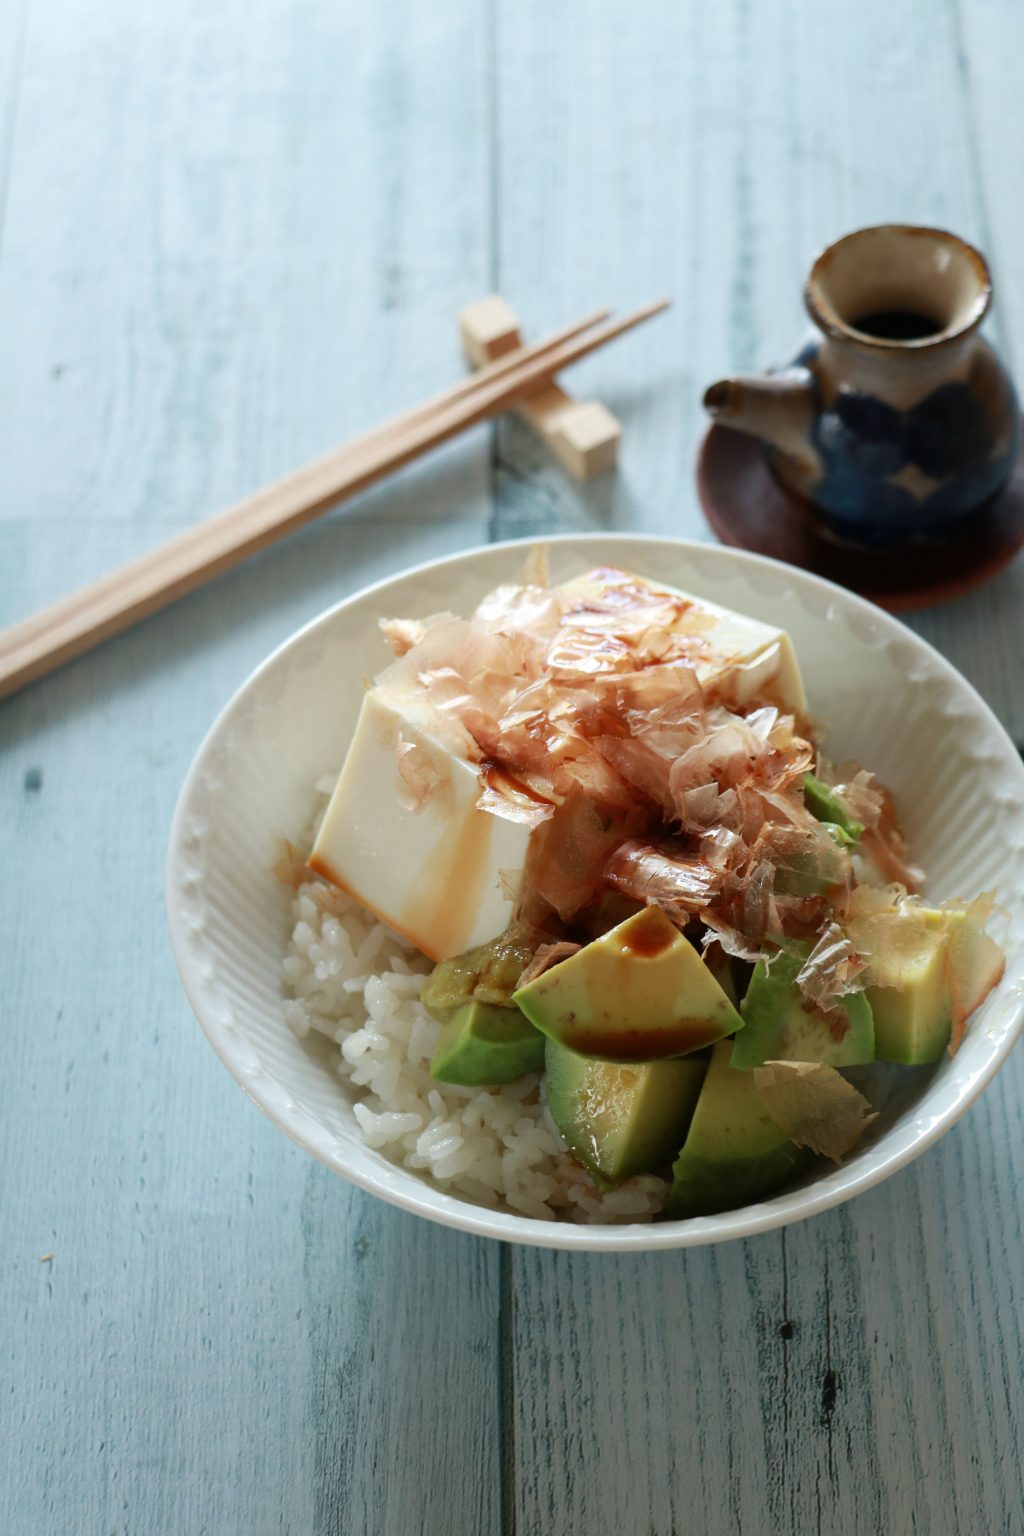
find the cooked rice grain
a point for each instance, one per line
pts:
(350, 978)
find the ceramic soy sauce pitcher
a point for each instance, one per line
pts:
(896, 420)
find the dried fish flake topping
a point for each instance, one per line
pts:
(660, 875)
(832, 969)
(418, 775)
(582, 706)
(974, 964)
(814, 1105)
(547, 956)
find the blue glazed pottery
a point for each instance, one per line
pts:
(896, 420)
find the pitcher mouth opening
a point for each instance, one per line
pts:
(899, 287)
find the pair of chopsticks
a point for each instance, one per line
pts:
(75, 624)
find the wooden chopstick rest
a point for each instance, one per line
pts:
(582, 434)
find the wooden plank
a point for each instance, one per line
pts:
(723, 153)
(402, 1324)
(89, 615)
(908, 1344)
(989, 83)
(984, 634)
(643, 1400)
(226, 1338)
(260, 319)
(853, 1374)
(973, 1272)
(222, 255)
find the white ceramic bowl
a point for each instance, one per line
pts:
(894, 703)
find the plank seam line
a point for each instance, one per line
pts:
(506, 1395)
(785, 1478)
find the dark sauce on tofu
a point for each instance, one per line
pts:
(897, 324)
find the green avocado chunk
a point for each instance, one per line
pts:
(826, 805)
(911, 998)
(724, 969)
(641, 992)
(734, 1152)
(618, 1118)
(488, 973)
(481, 1043)
(780, 1026)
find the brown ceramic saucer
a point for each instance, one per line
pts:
(748, 508)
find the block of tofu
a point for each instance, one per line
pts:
(442, 874)
(402, 832)
(757, 659)
(729, 652)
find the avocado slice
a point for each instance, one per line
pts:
(641, 992)
(826, 805)
(621, 1118)
(482, 1043)
(911, 998)
(781, 1027)
(725, 970)
(930, 969)
(734, 1152)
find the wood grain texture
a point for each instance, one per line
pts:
(984, 635)
(102, 609)
(232, 237)
(221, 239)
(833, 1378)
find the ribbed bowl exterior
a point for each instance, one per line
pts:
(890, 701)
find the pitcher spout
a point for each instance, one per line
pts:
(776, 407)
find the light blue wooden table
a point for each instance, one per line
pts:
(230, 235)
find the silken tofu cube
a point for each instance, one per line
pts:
(444, 874)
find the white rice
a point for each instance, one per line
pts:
(354, 980)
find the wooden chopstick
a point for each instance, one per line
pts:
(40, 623)
(75, 624)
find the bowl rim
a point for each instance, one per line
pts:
(420, 1197)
